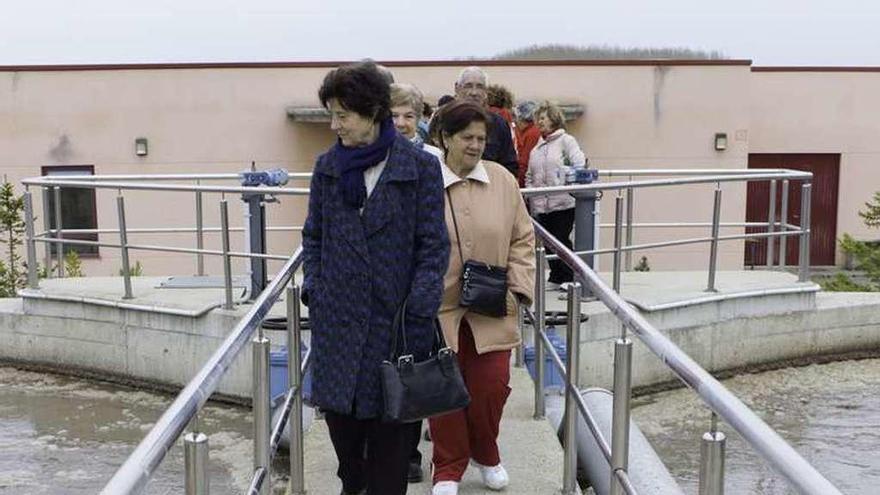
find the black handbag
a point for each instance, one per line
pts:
(412, 390)
(483, 286)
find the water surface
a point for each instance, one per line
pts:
(829, 413)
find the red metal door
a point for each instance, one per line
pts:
(823, 222)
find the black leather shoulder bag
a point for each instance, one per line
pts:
(483, 286)
(413, 391)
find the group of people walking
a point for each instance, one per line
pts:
(394, 218)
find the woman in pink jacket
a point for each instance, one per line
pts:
(549, 162)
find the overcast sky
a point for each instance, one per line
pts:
(770, 32)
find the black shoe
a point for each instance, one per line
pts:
(360, 492)
(414, 473)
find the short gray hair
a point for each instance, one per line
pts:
(407, 94)
(472, 70)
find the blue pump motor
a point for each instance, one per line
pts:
(273, 177)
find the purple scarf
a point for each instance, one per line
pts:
(352, 162)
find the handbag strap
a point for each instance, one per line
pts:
(399, 325)
(455, 224)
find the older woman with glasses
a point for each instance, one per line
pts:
(374, 236)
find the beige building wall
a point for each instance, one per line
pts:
(824, 111)
(220, 119)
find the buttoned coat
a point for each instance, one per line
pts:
(494, 228)
(359, 267)
(549, 162)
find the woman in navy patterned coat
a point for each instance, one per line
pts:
(374, 236)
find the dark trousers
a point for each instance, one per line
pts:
(372, 454)
(415, 457)
(559, 223)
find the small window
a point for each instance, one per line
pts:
(78, 210)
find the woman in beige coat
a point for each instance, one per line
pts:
(487, 222)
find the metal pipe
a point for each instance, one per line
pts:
(167, 249)
(59, 233)
(676, 225)
(262, 408)
(200, 236)
(520, 326)
(630, 196)
(618, 219)
(569, 472)
(621, 411)
(226, 176)
(771, 223)
(712, 451)
(294, 378)
(195, 447)
(31, 246)
(680, 242)
(123, 243)
(132, 476)
(766, 442)
(538, 329)
(227, 262)
(713, 249)
(804, 252)
(615, 186)
(180, 230)
(47, 226)
(783, 251)
(83, 184)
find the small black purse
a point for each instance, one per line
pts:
(483, 286)
(413, 391)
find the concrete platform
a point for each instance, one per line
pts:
(529, 450)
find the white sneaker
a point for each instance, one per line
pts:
(553, 286)
(445, 488)
(494, 477)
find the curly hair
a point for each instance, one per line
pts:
(360, 88)
(499, 96)
(553, 112)
(403, 94)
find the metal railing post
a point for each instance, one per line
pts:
(804, 252)
(712, 450)
(262, 409)
(227, 261)
(771, 223)
(618, 219)
(572, 366)
(538, 327)
(519, 358)
(123, 243)
(30, 243)
(196, 463)
(713, 247)
(783, 248)
(294, 378)
(47, 227)
(200, 236)
(59, 234)
(630, 197)
(621, 410)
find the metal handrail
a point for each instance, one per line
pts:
(137, 186)
(712, 179)
(132, 476)
(773, 448)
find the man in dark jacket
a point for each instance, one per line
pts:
(472, 85)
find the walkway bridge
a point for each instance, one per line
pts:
(538, 463)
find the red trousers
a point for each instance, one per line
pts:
(472, 433)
